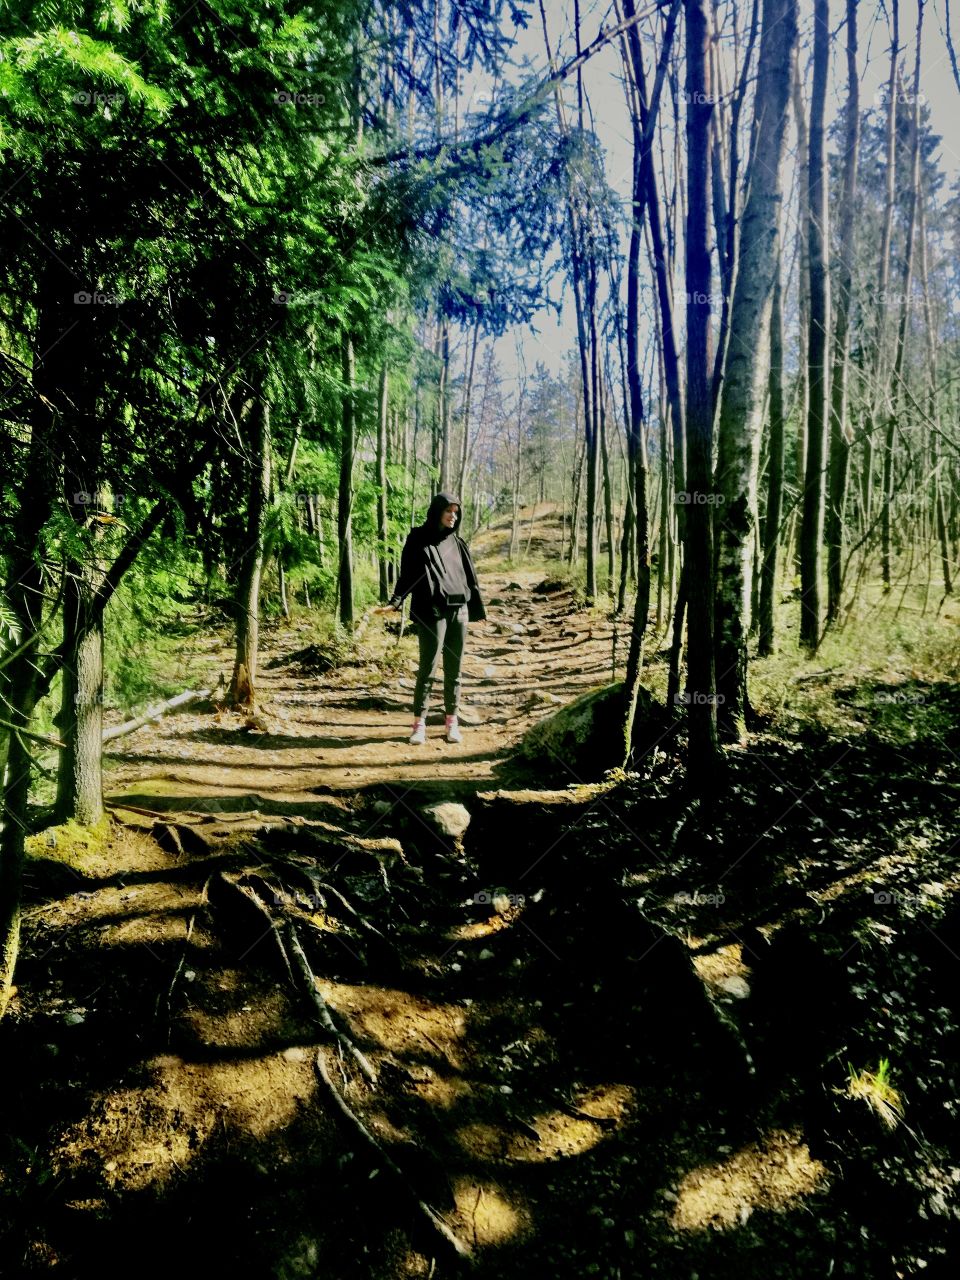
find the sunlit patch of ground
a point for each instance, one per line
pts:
(398, 1021)
(220, 1022)
(774, 1173)
(136, 1137)
(486, 1216)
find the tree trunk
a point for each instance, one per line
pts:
(747, 368)
(348, 444)
(574, 551)
(883, 274)
(593, 432)
(80, 776)
(803, 290)
(907, 274)
(701, 688)
(243, 682)
(607, 493)
(443, 408)
(24, 594)
(467, 406)
(383, 531)
(840, 434)
(771, 523)
(80, 721)
(938, 518)
(726, 217)
(811, 529)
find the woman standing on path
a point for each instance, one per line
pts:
(438, 574)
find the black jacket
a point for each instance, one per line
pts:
(418, 578)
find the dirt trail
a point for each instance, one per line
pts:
(550, 1078)
(175, 1056)
(346, 730)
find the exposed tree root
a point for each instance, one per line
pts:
(439, 1228)
(178, 838)
(244, 910)
(293, 951)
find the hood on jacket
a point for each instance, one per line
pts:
(438, 505)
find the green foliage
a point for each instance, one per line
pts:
(152, 615)
(887, 671)
(876, 1090)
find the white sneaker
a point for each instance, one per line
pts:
(453, 730)
(419, 735)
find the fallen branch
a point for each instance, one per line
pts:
(36, 737)
(438, 1226)
(165, 814)
(181, 700)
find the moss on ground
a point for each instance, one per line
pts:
(72, 844)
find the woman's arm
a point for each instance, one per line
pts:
(476, 607)
(411, 570)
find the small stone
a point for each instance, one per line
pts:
(447, 818)
(734, 986)
(189, 975)
(73, 1018)
(505, 1088)
(456, 967)
(485, 954)
(110, 1166)
(295, 1053)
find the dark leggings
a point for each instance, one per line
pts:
(448, 633)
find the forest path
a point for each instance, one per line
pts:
(326, 733)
